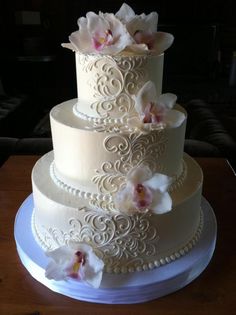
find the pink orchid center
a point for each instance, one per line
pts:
(153, 114)
(100, 40)
(142, 37)
(78, 261)
(142, 196)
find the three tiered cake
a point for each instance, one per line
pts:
(117, 194)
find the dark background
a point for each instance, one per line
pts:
(33, 61)
(36, 73)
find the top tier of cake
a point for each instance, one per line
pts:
(107, 85)
(116, 56)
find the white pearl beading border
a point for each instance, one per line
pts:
(75, 191)
(105, 197)
(164, 260)
(117, 125)
(97, 120)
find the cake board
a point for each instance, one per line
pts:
(129, 288)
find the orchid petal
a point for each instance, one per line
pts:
(53, 271)
(162, 42)
(63, 260)
(158, 181)
(69, 46)
(81, 41)
(147, 94)
(145, 23)
(139, 174)
(125, 13)
(93, 270)
(144, 38)
(60, 258)
(162, 202)
(151, 21)
(94, 281)
(121, 37)
(123, 200)
(174, 118)
(137, 48)
(134, 122)
(96, 22)
(82, 23)
(167, 99)
(60, 254)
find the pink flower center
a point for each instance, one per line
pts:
(79, 259)
(102, 40)
(142, 37)
(153, 114)
(142, 196)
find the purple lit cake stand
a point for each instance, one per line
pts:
(123, 288)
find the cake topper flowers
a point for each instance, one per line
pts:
(155, 110)
(144, 191)
(77, 261)
(106, 33)
(143, 29)
(103, 33)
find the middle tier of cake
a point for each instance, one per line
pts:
(93, 163)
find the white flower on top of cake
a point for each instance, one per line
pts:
(77, 261)
(103, 34)
(143, 29)
(155, 110)
(144, 191)
(109, 34)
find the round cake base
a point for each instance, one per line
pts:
(130, 288)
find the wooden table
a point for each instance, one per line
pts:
(214, 292)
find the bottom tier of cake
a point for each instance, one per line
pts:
(125, 243)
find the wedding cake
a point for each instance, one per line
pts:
(117, 194)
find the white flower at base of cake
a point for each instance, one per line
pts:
(117, 194)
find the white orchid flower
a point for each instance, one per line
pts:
(156, 42)
(103, 34)
(77, 261)
(143, 28)
(125, 13)
(155, 109)
(144, 191)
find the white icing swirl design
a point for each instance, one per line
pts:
(125, 243)
(132, 149)
(111, 82)
(104, 201)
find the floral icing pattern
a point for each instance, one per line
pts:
(124, 243)
(114, 82)
(133, 149)
(116, 238)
